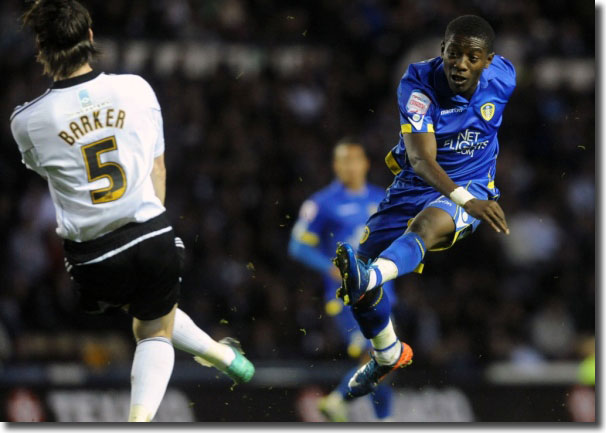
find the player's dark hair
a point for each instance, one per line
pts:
(61, 29)
(473, 26)
(348, 140)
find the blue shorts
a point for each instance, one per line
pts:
(404, 200)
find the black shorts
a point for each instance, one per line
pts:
(138, 264)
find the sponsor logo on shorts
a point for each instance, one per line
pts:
(463, 219)
(443, 200)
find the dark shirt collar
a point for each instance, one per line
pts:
(68, 82)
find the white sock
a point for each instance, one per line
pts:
(387, 269)
(387, 346)
(191, 339)
(372, 279)
(152, 367)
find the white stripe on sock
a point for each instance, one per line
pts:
(385, 340)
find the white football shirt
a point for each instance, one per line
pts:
(94, 139)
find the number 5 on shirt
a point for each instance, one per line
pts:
(95, 169)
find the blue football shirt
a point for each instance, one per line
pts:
(465, 130)
(335, 214)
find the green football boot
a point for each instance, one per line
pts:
(241, 370)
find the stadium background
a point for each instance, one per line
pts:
(254, 95)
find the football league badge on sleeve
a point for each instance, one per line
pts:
(487, 111)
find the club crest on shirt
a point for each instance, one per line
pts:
(487, 111)
(418, 103)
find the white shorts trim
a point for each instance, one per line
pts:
(126, 246)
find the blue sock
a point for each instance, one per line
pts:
(343, 389)
(372, 312)
(406, 252)
(381, 400)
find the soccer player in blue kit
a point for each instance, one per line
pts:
(336, 213)
(451, 108)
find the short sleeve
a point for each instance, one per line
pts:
(19, 130)
(145, 91)
(159, 145)
(507, 74)
(148, 97)
(310, 224)
(415, 106)
(29, 156)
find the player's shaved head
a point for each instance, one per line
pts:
(62, 30)
(471, 26)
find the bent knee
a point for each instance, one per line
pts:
(434, 226)
(160, 327)
(142, 333)
(422, 226)
(143, 330)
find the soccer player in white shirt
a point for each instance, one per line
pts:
(98, 141)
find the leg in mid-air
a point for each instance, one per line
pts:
(226, 355)
(154, 358)
(157, 338)
(149, 293)
(154, 355)
(362, 289)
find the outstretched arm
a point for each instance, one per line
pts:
(313, 258)
(421, 149)
(306, 236)
(309, 255)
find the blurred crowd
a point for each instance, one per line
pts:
(246, 146)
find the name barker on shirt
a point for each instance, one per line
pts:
(465, 130)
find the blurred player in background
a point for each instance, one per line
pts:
(337, 213)
(98, 141)
(451, 108)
